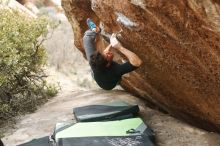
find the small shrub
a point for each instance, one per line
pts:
(52, 90)
(22, 58)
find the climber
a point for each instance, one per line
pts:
(106, 72)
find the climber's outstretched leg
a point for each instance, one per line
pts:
(89, 38)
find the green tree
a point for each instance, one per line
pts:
(22, 59)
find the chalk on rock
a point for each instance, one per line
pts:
(125, 20)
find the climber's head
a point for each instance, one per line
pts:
(100, 61)
(108, 56)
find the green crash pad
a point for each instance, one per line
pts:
(104, 133)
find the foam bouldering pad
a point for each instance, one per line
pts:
(105, 112)
(132, 132)
(43, 141)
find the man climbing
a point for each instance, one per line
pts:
(106, 72)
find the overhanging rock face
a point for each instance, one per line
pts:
(179, 43)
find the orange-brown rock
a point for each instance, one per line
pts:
(179, 43)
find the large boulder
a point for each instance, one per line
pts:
(179, 43)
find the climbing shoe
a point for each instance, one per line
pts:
(91, 24)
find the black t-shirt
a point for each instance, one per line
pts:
(1, 143)
(108, 79)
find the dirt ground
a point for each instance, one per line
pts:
(78, 89)
(169, 131)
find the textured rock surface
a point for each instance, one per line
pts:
(179, 43)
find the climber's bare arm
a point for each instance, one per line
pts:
(107, 49)
(132, 57)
